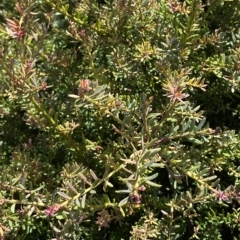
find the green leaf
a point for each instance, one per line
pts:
(129, 185)
(203, 172)
(152, 177)
(147, 164)
(215, 184)
(122, 212)
(39, 201)
(30, 186)
(73, 96)
(123, 202)
(161, 165)
(55, 229)
(186, 126)
(59, 217)
(151, 143)
(200, 125)
(21, 186)
(38, 189)
(194, 168)
(123, 191)
(83, 200)
(149, 153)
(210, 178)
(23, 226)
(31, 211)
(15, 180)
(13, 208)
(22, 196)
(109, 184)
(78, 202)
(64, 195)
(175, 128)
(153, 115)
(65, 8)
(195, 141)
(150, 183)
(106, 198)
(205, 139)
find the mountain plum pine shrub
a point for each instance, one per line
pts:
(118, 119)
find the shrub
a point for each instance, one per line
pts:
(119, 119)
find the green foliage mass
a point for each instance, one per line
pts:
(119, 119)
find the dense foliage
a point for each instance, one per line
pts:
(119, 119)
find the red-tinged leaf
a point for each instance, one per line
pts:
(71, 187)
(94, 176)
